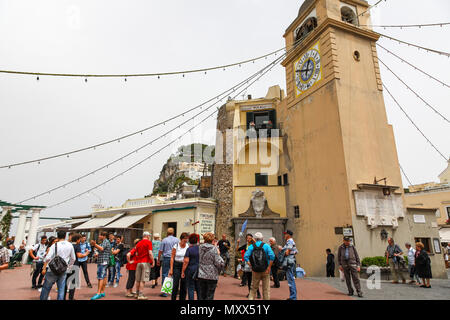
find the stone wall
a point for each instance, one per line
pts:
(222, 186)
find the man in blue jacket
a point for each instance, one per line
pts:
(254, 256)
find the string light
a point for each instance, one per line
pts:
(415, 67)
(415, 45)
(417, 95)
(267, 68)
(406, 25)
(141, 74)
(403, 171)
(414, 124)
(370, 7)
(139, 131)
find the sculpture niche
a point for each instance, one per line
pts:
(259, 207)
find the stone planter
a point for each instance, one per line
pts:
(385, 273)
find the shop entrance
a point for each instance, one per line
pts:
(167, 225)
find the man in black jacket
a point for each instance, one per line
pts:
(349, 263)
(330, 264)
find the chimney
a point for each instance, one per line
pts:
(249, 97)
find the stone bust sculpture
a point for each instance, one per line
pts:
(258, 201)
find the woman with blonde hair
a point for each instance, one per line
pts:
(210, 264)
(423, 265)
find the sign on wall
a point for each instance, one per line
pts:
(347, 232)
(419, 218)
(206, 223)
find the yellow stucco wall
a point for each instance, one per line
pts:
(431, 199)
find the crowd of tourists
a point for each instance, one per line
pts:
(193, 267)
(418, 264)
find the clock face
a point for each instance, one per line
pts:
(308, 70)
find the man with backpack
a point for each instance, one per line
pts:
(59, 259)
(260, 257)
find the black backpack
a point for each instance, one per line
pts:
(58, 265)
(123, 259)
(258, 258)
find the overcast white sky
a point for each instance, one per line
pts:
(53, 115)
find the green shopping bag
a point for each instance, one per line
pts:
(167, 285)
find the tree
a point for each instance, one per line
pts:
(5, 225)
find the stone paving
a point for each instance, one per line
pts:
(15, 284)
(440, 289)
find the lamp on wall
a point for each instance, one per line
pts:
(383, 234)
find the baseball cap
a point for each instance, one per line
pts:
(289, 232)
(346, 239)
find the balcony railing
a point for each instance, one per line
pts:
(253, 132)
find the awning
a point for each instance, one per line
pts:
(55, 225)
(444, 234)
(98, 222)
(126, 221)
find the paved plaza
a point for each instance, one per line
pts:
(15, 284)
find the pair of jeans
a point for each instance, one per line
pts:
(111, 274)
(191, 283)
(131, 279)
(413, 274)
(290, 272)
(70, 287)
(118, 275)
(37, 272)
(206, 289)
(50, 280)
(165, 264)
(178, 282)
(83, 266)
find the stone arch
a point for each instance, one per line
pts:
(306, 28)
(348, 15)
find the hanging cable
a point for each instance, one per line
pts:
(370, 7)
(417, 95)
(416, 68)
(409, 118)
(93, 147)
(159, 150)
(407, 25)
(158, 74)
(236, 87)
(404, 174)
(415, 45)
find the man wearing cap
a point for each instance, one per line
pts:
(263, 276)
(290, 251)
(144, 262)
(349, 263)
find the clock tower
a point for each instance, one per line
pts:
(340, 153)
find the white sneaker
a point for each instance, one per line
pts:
(116, 285)
(107, 285)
